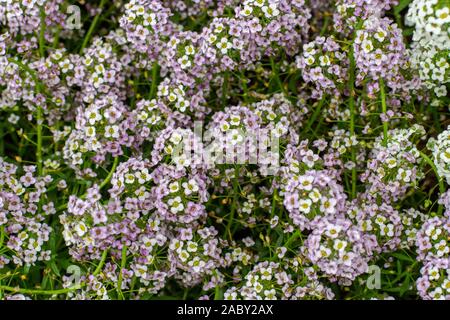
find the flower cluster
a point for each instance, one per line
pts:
(395, 164)
(431, 20)
(440, 148)
(338, 248)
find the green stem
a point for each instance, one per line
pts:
(101, 263)
(277, 76)
(42, 33)
(37, 291)
(351, 103)
(39, 140)
(88, 36)
(218, 292)
(110, 174)
(294, 236)
(225, 89)
(274, 203)
(235, 200)
(439, 179)
(122, 266)
(384, 110)
(2, 235)
(313, 118)
(154, 86)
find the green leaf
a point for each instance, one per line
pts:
(402, 5)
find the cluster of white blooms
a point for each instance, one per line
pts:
(441, 153)
(431, 42)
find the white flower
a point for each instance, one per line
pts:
(182, 105)
(332, 230)
(235, 120)
(305, 205)
(324, 61)
(80, 228)
(230, 295)
(189, 50)
(305, 182)
(112, 131)
(93, 116)
(433, 233)
(347, 257)
(441, 91)
(314, 195)
(130, 178)
(212, 38)
(339, 245)
(433, 274)
(143, 176)
(197, 264)
(224, 45)
(235, 137)
(192, 246)
(139, 10)
(404, 175)
(174, 187)
(190, 187)
(150, 19)
(324, 252)
(271, 10)
(443, 15)
(270, 294)
(246, 11)
(176, 138)
(13, 118)
(437, 294)
(219, 28)
(259, 3)
(184, 255)
(184, 62)
(224, 126)
(380, 35)
(367, 46)
(387, 230)
(90, 131)
(391, 162)
(441, 248)
(181, 161)
(266, 273)
(176, 205)
(328, 205)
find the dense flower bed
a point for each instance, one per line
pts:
(255, 149)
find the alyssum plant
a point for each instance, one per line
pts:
(97, 100)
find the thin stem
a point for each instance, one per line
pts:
(42, 33)
(154, 86)
(88, 36)
(274, 202)
(101, 263)
(351, 103)
(225, 89)
(122, 266)
(383, 110)
(276, 74)
(37, 291)
(313, 118)
(293, 237)
(235, 200)
(110, 174)
(439, 179)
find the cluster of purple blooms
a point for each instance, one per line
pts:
(322, 149)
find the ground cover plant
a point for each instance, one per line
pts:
(198, 149)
